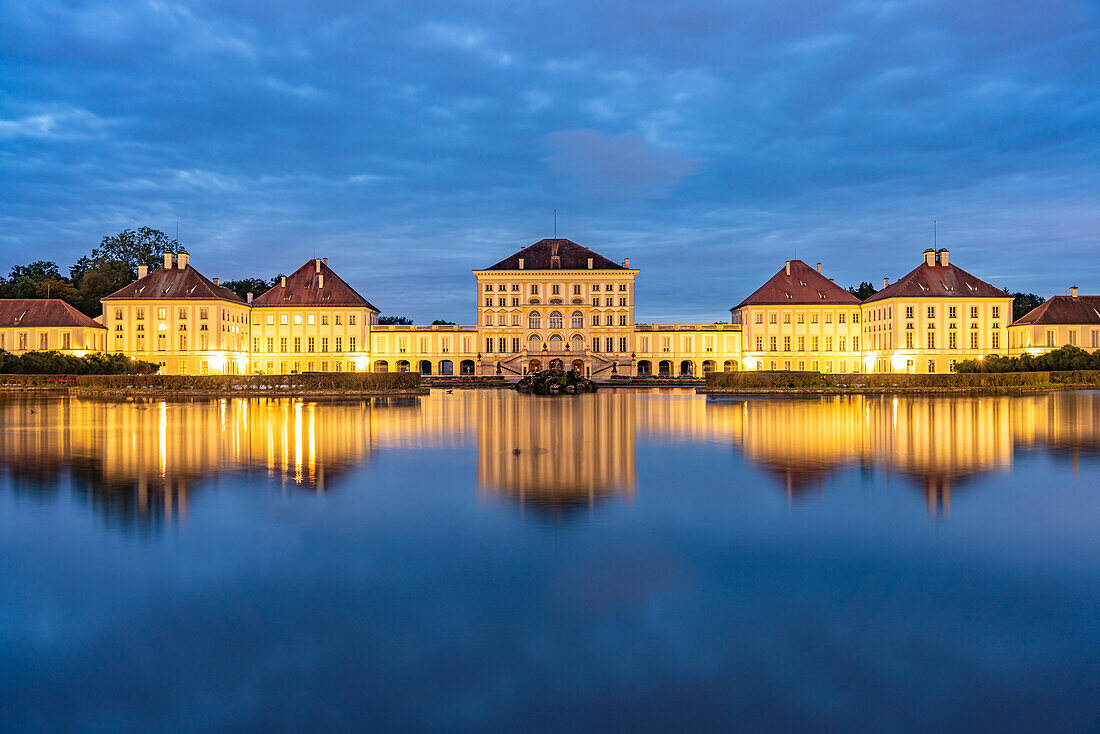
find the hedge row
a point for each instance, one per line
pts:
(56, 363)
(338, 381)
(1067, 358)
(818, 381)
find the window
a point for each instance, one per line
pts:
(534, 321)
(140, 314)
(282, 319)
(555, 320)
(931, 312)
(502, 287)
(760, 344)
(908, 312)
(610, 344)
(610, 319)
(951, 312)
(840, 343)
(828, 344)
(813, 318)
(297, 344)
(577, 322)
(771, 318)
(162, 342)
(759, 318)
(282, 344)
(609, 301)
(974, 339)
(622, 319)
(337, 317)
(555, 289)
(771, 344)
(534, 289)
(502, 344)
(351, 344)
(813, 343)
(515, 344)
(786, 344)
(351, 319)
(183, 342)
(829, 317)
(501, 302)
(840, 319)
(855, 343)
(622, 343)
(44, 341)
(595, 344)
(931, 365)
(324, 343)
(787, 318)
(996, 339)
(996, 312)
(973, 312)
(800, 318)
(595, 319)
(931, 340)
(595, 301)
(118, 314)
(802, 344)
(576, 290)
(489, 287)
(297, 319)
(324, 319)
(595, 287)
(162, 313)
(952, 342)
(622, 286)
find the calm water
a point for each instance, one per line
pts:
(646, 561)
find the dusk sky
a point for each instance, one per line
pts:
(411, 142)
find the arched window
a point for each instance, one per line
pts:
(555, 319)
(578, 320)
(534, 321)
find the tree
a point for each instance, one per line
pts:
(441, 322)
(863, 291)
(1022, 303)
(255, 286)
(144, 247)
(398, 320)
(97, 280)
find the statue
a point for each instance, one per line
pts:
(555, 382)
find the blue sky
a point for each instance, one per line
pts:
(707, 140)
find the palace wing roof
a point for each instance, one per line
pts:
(1064, 310)
(178, 283)
(570, 256)
(802, 287)
(38, 312)
(930, 281)
(302, 290)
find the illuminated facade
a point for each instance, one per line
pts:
(800, 320)
(181, 320)
(556, 303)
(48, 324)
(933, 317)
(1062, 320)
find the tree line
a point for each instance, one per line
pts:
(1058, 360)
(56, 363)
(1021, 302)
(108, 267)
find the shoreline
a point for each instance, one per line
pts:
(897, 390)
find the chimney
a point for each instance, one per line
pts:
(819, 267)
(167, 261)
(589, 263)
(182, 259)
(249, 296)
(930, 257)
(787, 267)
(317, 263)
(324, 260)
(885, 282)
(941, 256)
(521, 263)
(1073, 292)
(320, 280)
(283, 281)
(217, 281)
(626, 263)
(143, 270)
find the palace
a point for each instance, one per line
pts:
(557, 304)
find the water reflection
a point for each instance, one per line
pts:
(140, 460)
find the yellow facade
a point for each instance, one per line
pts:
(1072, 320)
(581, 315)
(531, 319)
(935, 321)
(74, 340)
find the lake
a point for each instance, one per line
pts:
(487, 561)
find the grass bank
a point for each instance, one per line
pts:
(734, 383)
(334, 384)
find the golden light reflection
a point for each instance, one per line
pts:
(551, 454)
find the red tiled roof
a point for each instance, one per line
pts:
(802, 287)
(184, 283)
(570, 256)
(938, 281)
(1064, 310)
(302, 290)
(37, 312)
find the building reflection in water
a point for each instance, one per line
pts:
(139, 461)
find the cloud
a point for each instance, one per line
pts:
(615, 166)
(59, 123)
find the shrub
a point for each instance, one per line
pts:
(56, 363)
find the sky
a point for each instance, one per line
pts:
(412, 142)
